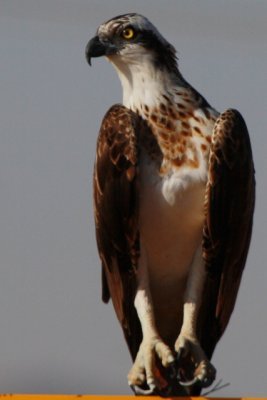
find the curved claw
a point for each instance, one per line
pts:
(188, 383)
(143, 392)
(206, 382)
(200, 378)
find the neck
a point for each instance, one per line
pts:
(145, 83)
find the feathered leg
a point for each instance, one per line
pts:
(193, 365)
(144, 371)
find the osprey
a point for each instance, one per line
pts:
(174, 194)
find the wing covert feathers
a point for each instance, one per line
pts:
(229, 206)
(116, 210)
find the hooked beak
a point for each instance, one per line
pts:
(97, 48)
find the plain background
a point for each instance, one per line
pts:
(56, 336)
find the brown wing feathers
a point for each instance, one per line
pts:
(116, 214)
(229, 205)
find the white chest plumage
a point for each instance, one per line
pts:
(171, 219)
(171, 213)
(171, 210)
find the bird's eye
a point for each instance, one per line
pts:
(128, 33)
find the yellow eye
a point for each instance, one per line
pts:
(128, 33)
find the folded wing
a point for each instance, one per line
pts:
(229, 207)
(116, 212)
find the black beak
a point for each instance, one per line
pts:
(97, 48)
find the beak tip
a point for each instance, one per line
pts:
(97, 48)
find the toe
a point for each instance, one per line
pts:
(165, 354)
(149, 364)
(182, 347)
(206, 373)
(143, 392)
(146, 376)
(136, 375)
(193, 365)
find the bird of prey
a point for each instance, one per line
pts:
(174, 194)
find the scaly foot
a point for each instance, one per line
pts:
(193, 364)
(144, 372)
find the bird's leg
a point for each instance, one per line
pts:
(144, 372)
(193, 365)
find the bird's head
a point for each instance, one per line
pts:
(145, 61)
(131, 39)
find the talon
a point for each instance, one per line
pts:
(202, 379)
(145, 377)
(207, 375)
(207, 380)
(143, 392)
(189, 383)
(195, 368)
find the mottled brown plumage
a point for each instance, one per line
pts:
(230, 197)
(229, 203)
(116, 214)
(170, 172)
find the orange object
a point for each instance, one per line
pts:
(106, 397)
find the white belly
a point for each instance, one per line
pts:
(171, 222)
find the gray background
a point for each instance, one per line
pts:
(55, 334)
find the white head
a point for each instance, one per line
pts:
(142, 57)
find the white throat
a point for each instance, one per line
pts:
(142, 83)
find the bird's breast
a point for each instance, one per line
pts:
(171, 218)
(173, 175)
